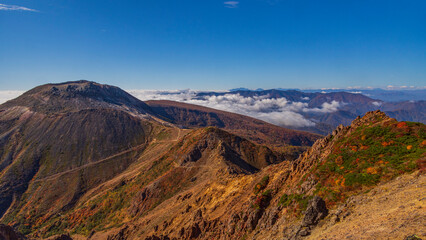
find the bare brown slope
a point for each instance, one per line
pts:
(189, 115)
(276, 203)
(58, 141)
(199, 158)
(393, 210)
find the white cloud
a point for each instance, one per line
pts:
(231, 4)
(174, 95)
(391, 87)
(286, 118)
(4, 7)
(377, 104)
(326, 107)
(8, 95)
(277, 111)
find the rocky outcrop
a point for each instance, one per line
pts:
(315, 212)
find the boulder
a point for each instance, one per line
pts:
(316, 211)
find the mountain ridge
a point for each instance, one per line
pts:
(189, 115)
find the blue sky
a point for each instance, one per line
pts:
(208, 44)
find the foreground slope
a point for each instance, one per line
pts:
(143, 192)
(293, 200)
(393, 210)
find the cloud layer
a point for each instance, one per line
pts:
(7, 95)
(231, 4)
(277, 111)
(4, 7)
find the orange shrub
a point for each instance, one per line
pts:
(371, 170)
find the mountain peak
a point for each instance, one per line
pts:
(77, 95)
(82, 88)
(370, 117)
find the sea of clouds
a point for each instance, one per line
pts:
(277, 111)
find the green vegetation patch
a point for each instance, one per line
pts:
(289, 199)
(373, 153)
(261, 185)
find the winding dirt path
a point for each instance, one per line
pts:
(54, 176)
(90, 164)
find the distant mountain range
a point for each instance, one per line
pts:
(318, 112)
(384, 94)
(388, 95)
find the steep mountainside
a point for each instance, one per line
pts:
(60, 140)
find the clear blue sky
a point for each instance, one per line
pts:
(213, 44)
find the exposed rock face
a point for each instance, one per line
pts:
(316, 211)
(232, 223)
(253, 219)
